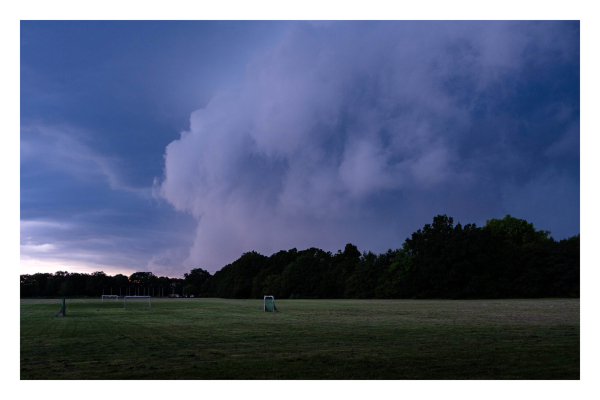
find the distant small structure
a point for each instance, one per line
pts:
(63, 310)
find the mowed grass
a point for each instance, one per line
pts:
(307, 339)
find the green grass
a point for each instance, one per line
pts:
(307, 339)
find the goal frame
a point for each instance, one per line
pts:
(265, 304)
(137, 297)
(110, 295)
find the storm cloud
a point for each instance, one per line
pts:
(168, 145)
(361, 132)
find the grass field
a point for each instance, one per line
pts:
(307, 339)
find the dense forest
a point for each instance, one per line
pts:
(507, 258)
(66, 284)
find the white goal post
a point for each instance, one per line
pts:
(138, 297)
(269, 304)
(110, 295)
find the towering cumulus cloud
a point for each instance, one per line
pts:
(362, 132)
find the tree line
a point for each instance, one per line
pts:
(65, 284)
(506, 258)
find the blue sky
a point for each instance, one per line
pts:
(165, 146)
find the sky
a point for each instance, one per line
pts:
(167, 146)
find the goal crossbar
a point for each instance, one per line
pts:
(138, 297)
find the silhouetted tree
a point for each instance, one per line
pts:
(194, 280)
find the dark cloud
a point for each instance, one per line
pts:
(100, 100)
(362, 132)
(130, 86)
(304, 134)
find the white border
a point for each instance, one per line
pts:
(311, 9)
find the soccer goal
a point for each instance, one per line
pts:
(269, 304)
(110, 296)
(133, 300)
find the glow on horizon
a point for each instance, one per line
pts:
(32, 266)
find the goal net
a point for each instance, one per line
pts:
(110, 296)
(136, 301)
(269, 304)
